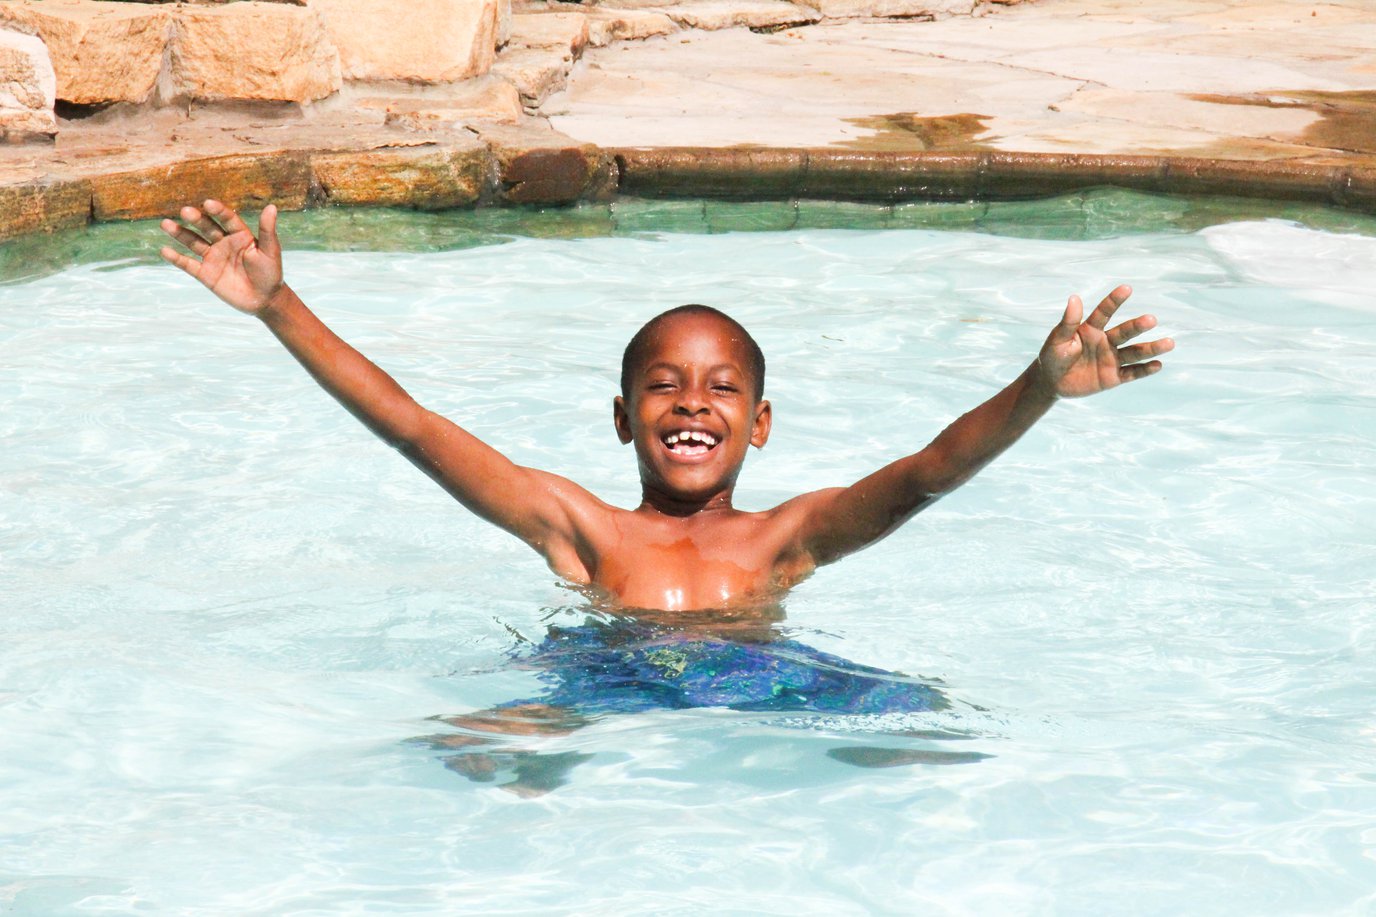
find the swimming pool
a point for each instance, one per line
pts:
(229, 611)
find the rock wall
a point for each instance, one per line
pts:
(97, 53)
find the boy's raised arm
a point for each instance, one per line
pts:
(1079, 358)
(246, 272)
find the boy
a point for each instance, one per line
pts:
(691, 403)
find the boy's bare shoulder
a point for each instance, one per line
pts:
(571, 497)
(796, 511)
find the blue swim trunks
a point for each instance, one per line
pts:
(623, 667)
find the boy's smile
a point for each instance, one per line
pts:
(691, 410)
(690, 443)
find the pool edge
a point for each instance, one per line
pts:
(511, 167)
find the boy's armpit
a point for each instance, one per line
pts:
(569, 522)
(839, 521)
(807, 524)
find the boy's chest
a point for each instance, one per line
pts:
(702, 567)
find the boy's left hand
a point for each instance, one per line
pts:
(1080, 358)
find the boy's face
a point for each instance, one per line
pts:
(691, 409)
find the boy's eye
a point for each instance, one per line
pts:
(724, 387)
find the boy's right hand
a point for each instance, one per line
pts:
(243, 271)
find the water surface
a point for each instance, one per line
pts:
(228, 609)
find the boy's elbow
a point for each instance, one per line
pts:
(935, 475)
(407, 434)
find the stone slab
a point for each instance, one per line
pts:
(28, 88)
(537, 73)
(423, 41)
(891, 9)
(249, 181)
(1358, 190)
(101, 52)
(608, 25)
(423, 178)
(886, 175)
(503, 22)
(43, 206)
(488, 98)
(252, 51)
(536, 165)
(1014, 176)
(1287, 180)
(688, 171)
(766, 15)
(567, 32)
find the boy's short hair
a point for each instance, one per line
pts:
(634, 354)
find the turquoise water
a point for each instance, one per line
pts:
(228, 610)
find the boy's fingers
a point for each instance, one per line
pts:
(1139, 371)
(1070, 320)
(1139, 352)
(186, 237)
(267, 231)
(1109, 305)
(188, 264)
(228, 218)
(1129, 330)
(208, 228)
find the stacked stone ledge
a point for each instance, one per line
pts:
(92, 54)
(106, 52)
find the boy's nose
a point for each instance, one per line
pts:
(691, 402)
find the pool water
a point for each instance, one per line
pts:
(229, 613)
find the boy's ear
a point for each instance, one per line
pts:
(622, 419)
(764, 420)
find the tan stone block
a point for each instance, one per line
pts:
(608, 25)
(537, 165)
(537, 73)
(244, 181)
(730, 14)
(101, 52)
(423, 41)
(503, 22)
(43, 206)
(252, 51)
(553, 31)
(635, 4)
(28, 88)
(488, 98)
(425, 177)
(890, 9)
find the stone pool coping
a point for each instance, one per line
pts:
(506, 165)
(1238, 98)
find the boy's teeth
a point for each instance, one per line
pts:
(690, 436)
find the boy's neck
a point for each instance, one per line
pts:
(663, 504)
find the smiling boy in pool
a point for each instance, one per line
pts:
(692, 403)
